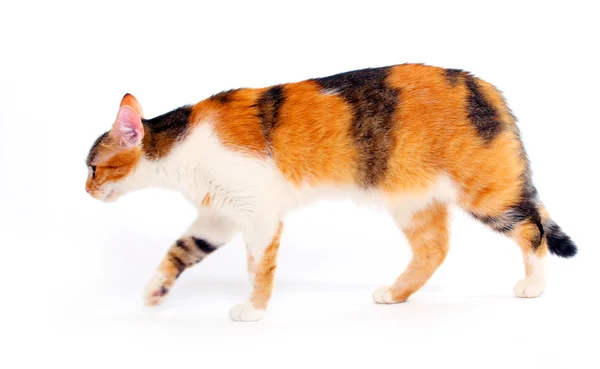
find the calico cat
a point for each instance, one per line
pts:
(411, 138)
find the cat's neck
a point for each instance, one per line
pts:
(185, 169)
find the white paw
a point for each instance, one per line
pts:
(156, 290)
(245, 313)
(383, 295)
(529, 287)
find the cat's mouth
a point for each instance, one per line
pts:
(105, 196)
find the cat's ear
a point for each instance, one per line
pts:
(130, 100)
(128, 128)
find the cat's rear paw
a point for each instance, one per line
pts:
(157, 290)
(245, 313)
(529, 287)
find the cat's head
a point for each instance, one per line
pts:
(114, 156)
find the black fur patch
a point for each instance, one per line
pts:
(481, 112)
(162, 132)
(181, 244)
(453, 76)
(502, 223)
(373, 105)
(94, 148)
(223, 97)
(558, 242)
(178, 263)
(174, 122)
(204, 246)
(268, 106)
(525, 210)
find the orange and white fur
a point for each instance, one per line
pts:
(410, 138)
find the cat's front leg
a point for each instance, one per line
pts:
(205, 235)
(262, 243)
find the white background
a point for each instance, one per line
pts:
(73, 269)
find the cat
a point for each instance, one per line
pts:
(412, 138)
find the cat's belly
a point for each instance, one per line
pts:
(403, 203)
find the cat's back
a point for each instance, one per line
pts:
(376, 128)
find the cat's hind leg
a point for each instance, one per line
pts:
(525, 221)
(427, 233)
(529, 236)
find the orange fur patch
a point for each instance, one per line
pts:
(207, 200)
(236, 123)
(313, 142)
(523, 234)
(264, 273)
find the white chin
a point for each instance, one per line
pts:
(111, 196)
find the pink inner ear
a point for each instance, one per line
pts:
(128, 127)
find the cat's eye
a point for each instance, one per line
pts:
(93, 169)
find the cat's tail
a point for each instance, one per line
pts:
(558, 242)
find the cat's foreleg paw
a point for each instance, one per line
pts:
(383, 295)
(157, 290)
(245, 313)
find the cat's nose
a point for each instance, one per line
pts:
(88, 189)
